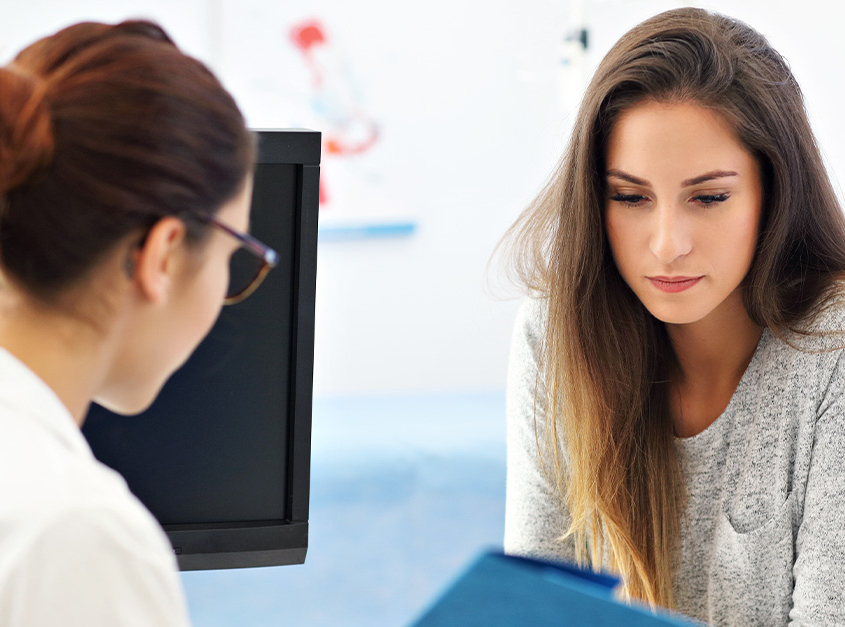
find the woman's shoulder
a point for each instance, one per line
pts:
(531, 318)
(49, 477)
(102, 531)
(804, 363)
(829, 313)
(526, 354)
(45, 491)
(822, 330)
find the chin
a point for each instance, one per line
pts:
(128, 404)
(677, 315)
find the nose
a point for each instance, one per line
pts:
(670, 236)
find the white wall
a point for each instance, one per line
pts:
(467, 95)
(472, 121)
(187, 21)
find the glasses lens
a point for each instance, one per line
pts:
(244, 267)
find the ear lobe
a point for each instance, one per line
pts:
(158, 260)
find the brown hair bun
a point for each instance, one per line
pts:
(26, 135)
(131, 130)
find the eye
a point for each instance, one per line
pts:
(711, 199)
(629, 200)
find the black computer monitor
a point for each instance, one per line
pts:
(222, 457)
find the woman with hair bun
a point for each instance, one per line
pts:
(676, 397)
(125, 185)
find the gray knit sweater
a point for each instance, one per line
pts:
(764, 539)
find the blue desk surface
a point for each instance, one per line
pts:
(405, 490)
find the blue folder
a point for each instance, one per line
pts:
(503, 591)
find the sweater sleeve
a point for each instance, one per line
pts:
(819, 569)
(534, 517)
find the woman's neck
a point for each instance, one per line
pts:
(713, 354)
(63, 350)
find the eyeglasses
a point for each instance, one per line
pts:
(248, 265)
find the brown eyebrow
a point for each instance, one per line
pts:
(619, 174)
(709, 176)
(715, 174)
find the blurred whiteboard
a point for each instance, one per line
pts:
(297, 64)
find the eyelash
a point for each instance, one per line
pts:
(635, 200)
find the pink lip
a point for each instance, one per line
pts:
(673, 284)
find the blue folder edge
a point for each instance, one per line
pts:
(503, 590)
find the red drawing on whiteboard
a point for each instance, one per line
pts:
(335, 97)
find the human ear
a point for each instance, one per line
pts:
(159, 259)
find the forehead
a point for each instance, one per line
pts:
(677, 139)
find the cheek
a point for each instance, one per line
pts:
(751, 232)
(621, 237)
(737, 242)
(213, 277)
(212, 291)
(217, 281)
(203, 301)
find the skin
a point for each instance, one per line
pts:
(117, 337)
(684, 199)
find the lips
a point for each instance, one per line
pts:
(674, 284)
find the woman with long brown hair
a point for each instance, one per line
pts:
(676, 401)
(125, 186)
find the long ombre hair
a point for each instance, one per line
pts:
(606, 362)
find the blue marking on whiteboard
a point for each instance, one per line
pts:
(365, 231)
